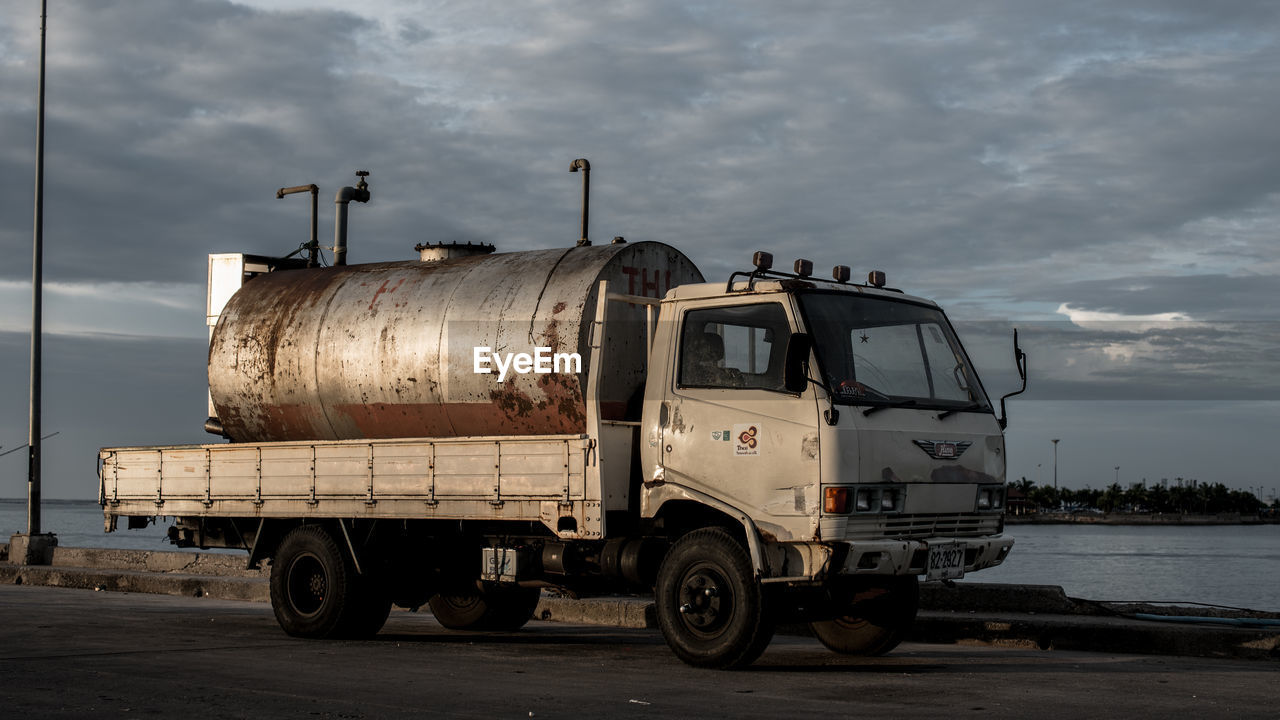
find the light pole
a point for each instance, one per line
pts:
(1117, 474)
(35, 547)
(1055, 463)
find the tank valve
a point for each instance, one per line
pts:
(359, 193)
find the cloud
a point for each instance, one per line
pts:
(916, 140)
(1131, 360)
(138, 309)
(1213, 296)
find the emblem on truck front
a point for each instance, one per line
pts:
(943, 449)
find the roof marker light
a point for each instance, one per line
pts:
(841, 273)
(804, 268)
(762, 260)
(876, 278)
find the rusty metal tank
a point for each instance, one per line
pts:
(386, 350)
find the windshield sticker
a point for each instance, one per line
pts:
(746, 439)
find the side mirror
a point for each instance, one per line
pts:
(1020, 360)
(795, 377)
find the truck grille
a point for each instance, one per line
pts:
(881, 527)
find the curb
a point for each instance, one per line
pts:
(156, 561)
(181, 584)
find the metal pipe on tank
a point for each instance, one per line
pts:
(313, 257)
(585, 167)
(359, 193)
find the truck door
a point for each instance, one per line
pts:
(731, 429)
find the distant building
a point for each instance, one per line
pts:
(1017, 503)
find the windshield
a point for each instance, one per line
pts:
(877, 351)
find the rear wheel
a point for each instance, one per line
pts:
(488, 609)
(316, 592)
(878, 618)
(710, 608)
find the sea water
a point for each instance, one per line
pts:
(1233, 565)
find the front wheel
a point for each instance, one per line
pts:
(710, 608)
(878, 618)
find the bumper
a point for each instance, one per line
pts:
(811, 561)
(908, 557)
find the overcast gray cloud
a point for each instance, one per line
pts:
(1081, 170)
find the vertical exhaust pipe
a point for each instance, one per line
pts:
(585, 167)
(359, 193)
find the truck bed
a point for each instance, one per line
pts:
(547, 478)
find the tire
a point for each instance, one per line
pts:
(711, 610)
(876, 622)
(316, 593)
(491, 609)
(369, 614)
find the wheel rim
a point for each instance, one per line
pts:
(308, 584)
(706, 600)
(461, 603)
(851, 622)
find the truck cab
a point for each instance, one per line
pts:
(843, 426)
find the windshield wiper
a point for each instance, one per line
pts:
(962, 408)
(877, 408)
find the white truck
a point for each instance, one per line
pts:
(468, 428)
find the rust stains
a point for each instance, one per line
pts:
(384, 289)
(809, 447)
(677, 420)
(512, 402)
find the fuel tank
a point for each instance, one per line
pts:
(389, 350)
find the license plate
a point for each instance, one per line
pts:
(946, 561)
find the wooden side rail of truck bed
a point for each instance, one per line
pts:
(553, 479)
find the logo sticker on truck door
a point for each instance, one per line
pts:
(746, 439)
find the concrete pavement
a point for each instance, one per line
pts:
(82, 654)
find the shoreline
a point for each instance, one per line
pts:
(1164, 519)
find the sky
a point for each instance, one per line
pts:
(1100, 175)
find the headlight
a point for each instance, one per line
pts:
(863, 503)
(889, 500)
(879, 499)
(990, 497)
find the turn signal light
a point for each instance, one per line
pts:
(835, 500)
